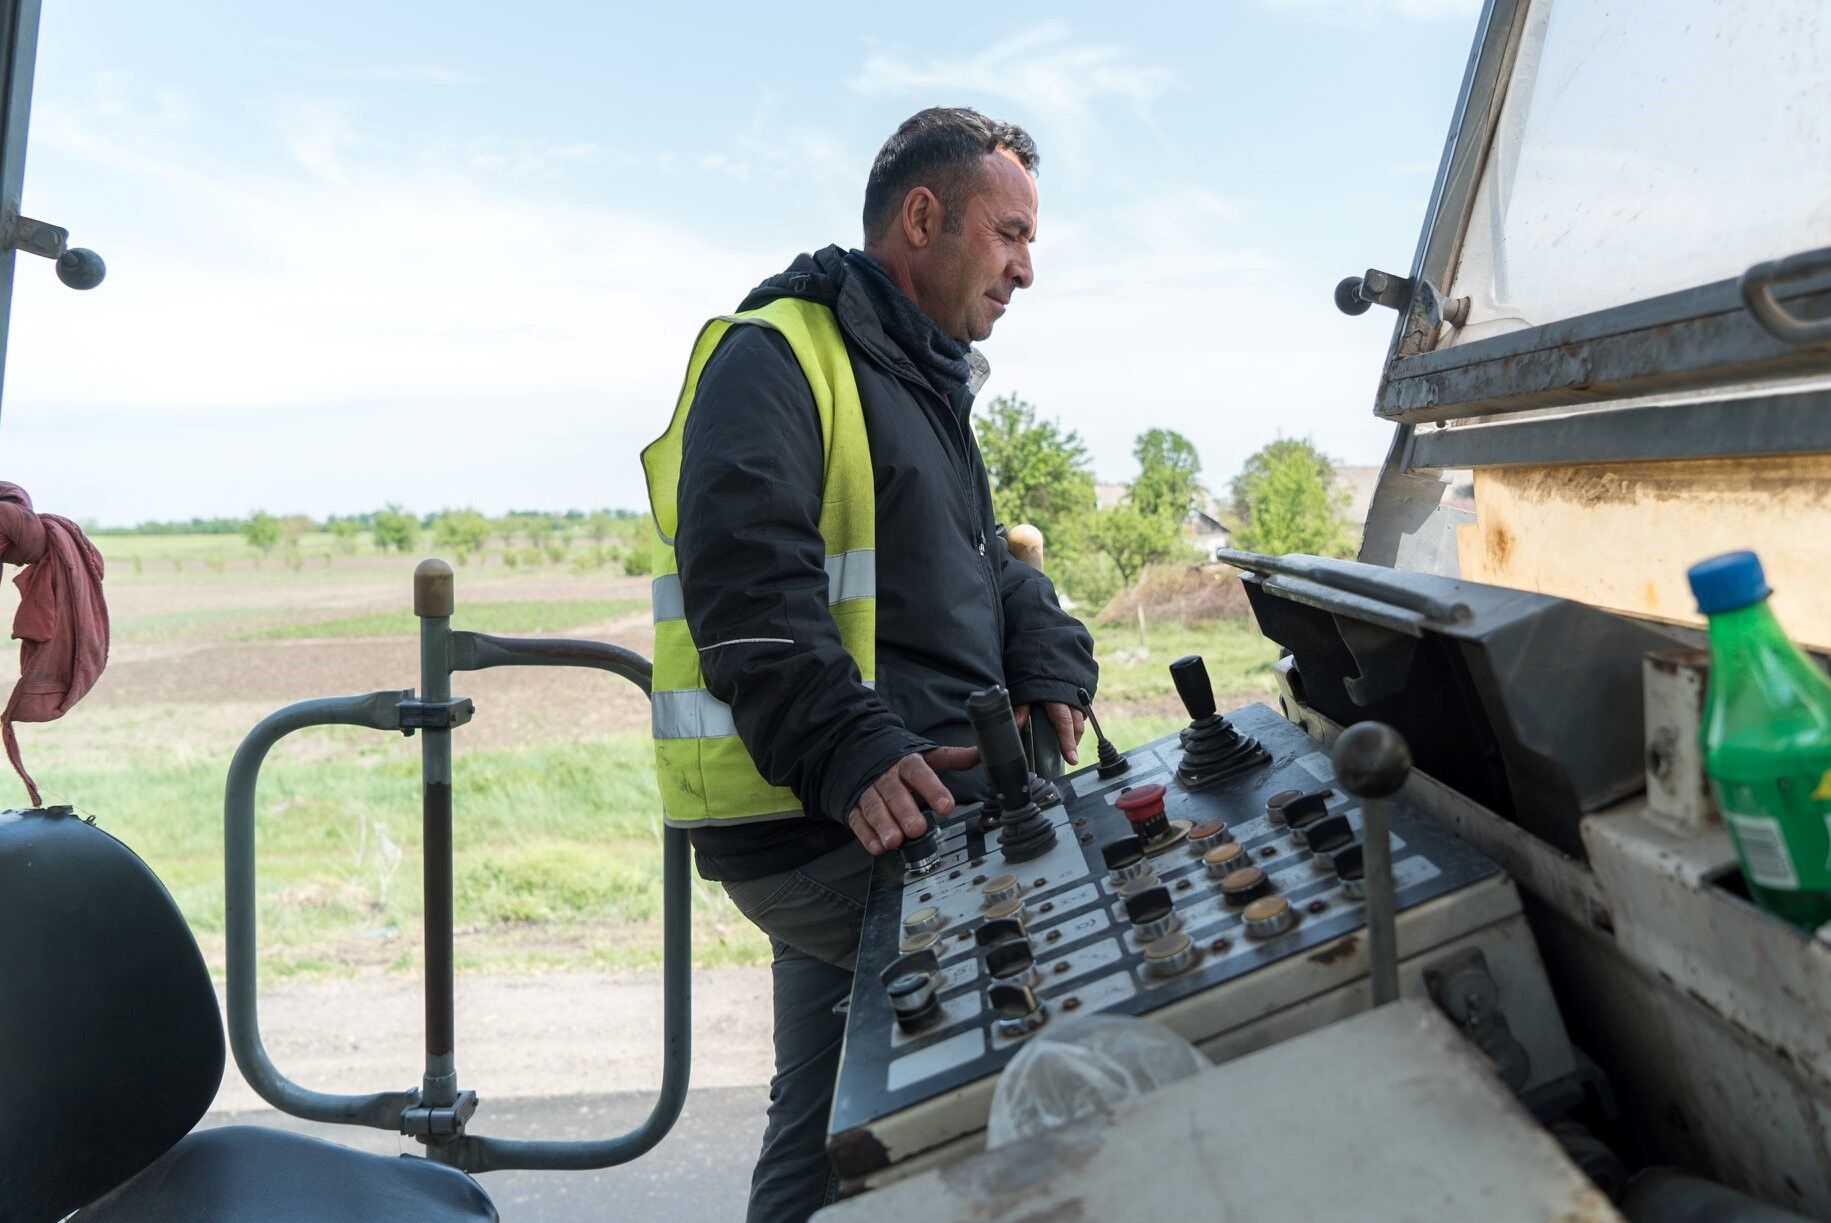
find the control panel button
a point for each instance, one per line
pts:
(1327, 835)
(1016, 1009)
(1306, 809)
(919, 942)
(1204, 837)
(1350, 865)
(1142, 807)
(923, 920)
(921, 854)
(1169, 955)
(1274, 806)
(1152, 914)
(1223, 860)
(1012, 908)
(1269, 916)
(998, 889)
(998, 930)
(1125, 859)
(1011, 961)
(912, 1000)
(1244, 886)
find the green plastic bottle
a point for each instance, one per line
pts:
(1767, 742)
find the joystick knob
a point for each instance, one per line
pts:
(1212, 749)
(1371, 760)
(1023, 832)
(1190, 675)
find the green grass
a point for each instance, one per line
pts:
(508, 617)
(557, 855)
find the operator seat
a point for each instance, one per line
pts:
(111, 1049)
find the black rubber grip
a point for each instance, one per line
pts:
(1192, 686)
(994, 726)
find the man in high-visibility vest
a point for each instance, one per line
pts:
(831, 584)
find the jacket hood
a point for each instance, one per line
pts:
(827, 278)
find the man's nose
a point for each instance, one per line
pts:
(1020, 270)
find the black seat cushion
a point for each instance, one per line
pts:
(111, 1046)
(246, 1174)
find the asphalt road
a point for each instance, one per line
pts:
(701, 1170)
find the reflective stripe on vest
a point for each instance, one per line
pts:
(705, 773)
(850, 575)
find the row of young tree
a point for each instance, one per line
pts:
(1284, 499)
(524, 536)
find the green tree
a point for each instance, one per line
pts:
(1039, 473)
(1132, 539)
(1169, 475)
(396, 529)
(1287, 501)
(262, 531)
(344, 533)
(295, 527)
(462, 532)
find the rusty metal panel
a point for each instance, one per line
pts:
(1407, 1123)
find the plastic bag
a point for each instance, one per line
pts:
(1083, 1067)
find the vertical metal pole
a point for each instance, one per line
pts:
(1372, 761)
(433, 597)
(1382, 931)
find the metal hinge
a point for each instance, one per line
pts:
(1356, 294)
(446, 1121)
(434, 715)
(77, 266)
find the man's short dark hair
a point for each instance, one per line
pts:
(942, 148)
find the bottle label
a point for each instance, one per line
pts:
(1782, 829)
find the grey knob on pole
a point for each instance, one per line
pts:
(1371, 763)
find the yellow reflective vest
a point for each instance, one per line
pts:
(706, 774)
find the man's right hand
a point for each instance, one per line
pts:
(890, 811)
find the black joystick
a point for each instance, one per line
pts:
(1212, 749)
(1111, 762)
(921, 854)
(1023, 832)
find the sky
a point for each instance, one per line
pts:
(455, 254)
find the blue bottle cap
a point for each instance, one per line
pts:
(1724, 583)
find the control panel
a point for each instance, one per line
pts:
(1158, 882)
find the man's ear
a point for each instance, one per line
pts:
(921, 217)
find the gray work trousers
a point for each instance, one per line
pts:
(812, 916)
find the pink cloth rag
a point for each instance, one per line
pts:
(62, 622)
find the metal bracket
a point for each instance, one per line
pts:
(1357, 294)
(1466, 991)
(37, 238)
(77, 266)
(435, 715)
(448, 1121)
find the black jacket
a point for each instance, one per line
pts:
(955, 612)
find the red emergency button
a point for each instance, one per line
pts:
(1143, 808)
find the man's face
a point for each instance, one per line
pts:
(964, 280)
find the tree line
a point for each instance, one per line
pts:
(525, 537)
(1284, 499)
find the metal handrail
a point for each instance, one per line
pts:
(437, 1112)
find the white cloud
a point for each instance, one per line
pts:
(1042, 70)
(412, 74)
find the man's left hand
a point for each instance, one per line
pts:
(1067, 721)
